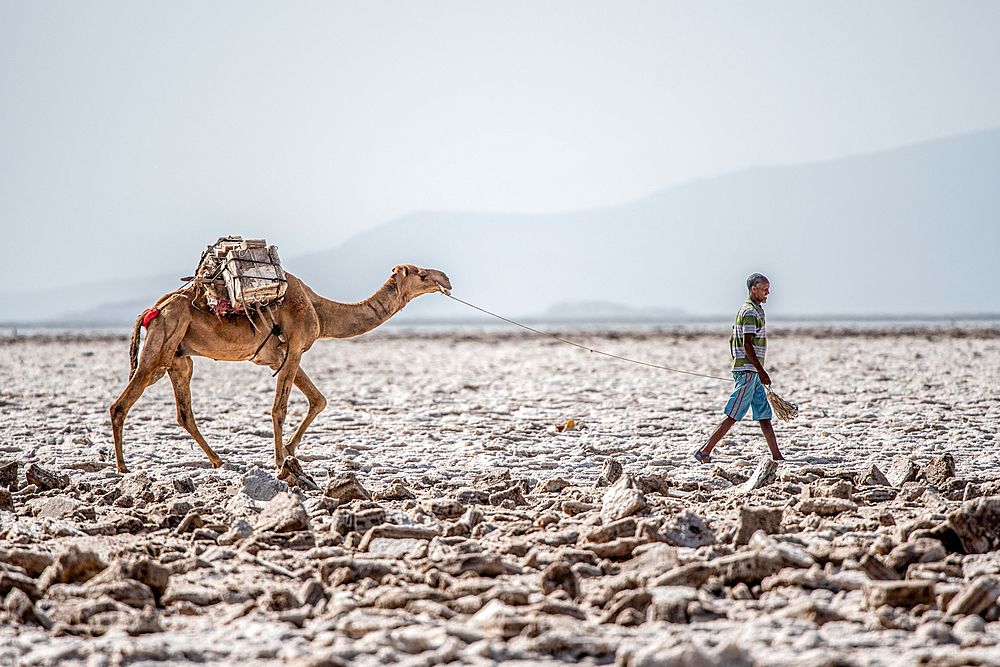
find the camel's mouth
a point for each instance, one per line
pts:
(444, 290)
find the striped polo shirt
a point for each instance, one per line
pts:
(749, 320)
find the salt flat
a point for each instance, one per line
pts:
(439, 413)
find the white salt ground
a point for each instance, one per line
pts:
(454, 406)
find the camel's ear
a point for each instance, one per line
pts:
(402, 271)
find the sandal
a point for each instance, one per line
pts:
(702, 458)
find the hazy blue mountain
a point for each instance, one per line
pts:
(909, 231)
(913, 230)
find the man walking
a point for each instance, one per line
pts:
(748, 346)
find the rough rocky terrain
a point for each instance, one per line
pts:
(475, 498)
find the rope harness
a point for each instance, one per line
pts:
(275, 331)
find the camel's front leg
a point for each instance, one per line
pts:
(316, 404)
(180, 377)
(280, 408)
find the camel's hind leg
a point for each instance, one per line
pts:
(119, 409)
(156, 356)
(316, 404)
(180, 377)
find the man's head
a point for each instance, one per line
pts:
(758, 286)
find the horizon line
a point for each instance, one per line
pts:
(845, 318)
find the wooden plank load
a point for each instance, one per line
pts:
(239, 274)
(253, 274)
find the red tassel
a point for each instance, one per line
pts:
(148, 316)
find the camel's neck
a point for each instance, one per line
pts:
(343, 320)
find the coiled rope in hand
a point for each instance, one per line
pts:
(786, 410)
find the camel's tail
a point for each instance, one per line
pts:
(161, 303)
(133, 349)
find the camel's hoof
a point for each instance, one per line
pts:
(123, 470)
(217, 464)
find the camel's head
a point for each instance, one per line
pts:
(414, 281)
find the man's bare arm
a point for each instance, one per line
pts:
(752, 358)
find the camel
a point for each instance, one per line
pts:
(186, 327)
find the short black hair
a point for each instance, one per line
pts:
(756, 279)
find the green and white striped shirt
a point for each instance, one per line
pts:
(749, 320)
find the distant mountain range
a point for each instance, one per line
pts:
(908, 231)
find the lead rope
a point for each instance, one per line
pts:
(582, 347)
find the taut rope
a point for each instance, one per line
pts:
(582, 347)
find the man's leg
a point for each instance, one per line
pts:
(772, 441)
(721, 431)
(737, 406)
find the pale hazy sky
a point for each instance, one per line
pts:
(134, 133)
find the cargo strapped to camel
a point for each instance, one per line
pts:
(239, 275)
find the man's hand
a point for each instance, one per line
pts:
(764, 377)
